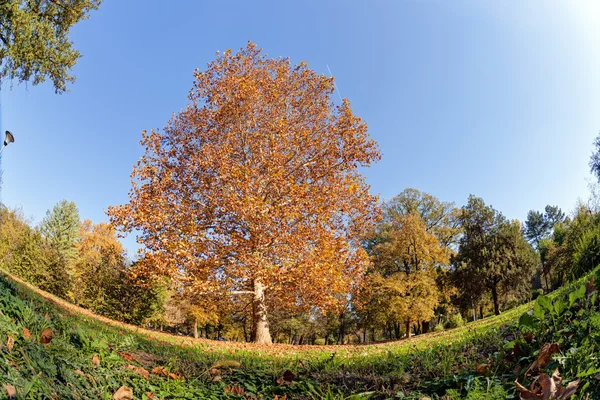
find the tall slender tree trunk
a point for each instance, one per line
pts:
(408, 328)
(342, 330)
(495, 298)
(196, 328)
(261, 325)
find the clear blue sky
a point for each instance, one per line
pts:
(498, 99)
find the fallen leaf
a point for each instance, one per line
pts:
(287, 377)
(526, 394)
(590, 287)
(139, 370)
(123, 393)
(26, 333)
(227, 364)
(10, 391)
(173, 375)
(483, 368)
(127, 357)
(162, 371)
(149, 395)
(234, 390)
(550, 388)
(284, 397)
(47, 317)
(546, 353)
(46, 336)
(217, 378)
(96, 360)
(78, 372)
(10, 343)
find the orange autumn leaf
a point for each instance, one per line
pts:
(261, 175)
(123, 393)
(26, 333)
(139, 370)
(46, 336)
(162, 371)
(11, 392)
(173, 375)
(127, 356)
(10, 343)
(96, 360)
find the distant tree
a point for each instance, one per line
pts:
(61, 229)
(34, 39)
(99, 263)
(594, 162)
(254, 189)
(405, 263)
(538, 228)
(440, 218)
(492, 252)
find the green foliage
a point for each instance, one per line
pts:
(455, 321)
(34, 39)
(60, 228)
(587, 252)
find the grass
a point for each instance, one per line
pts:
(436, 364)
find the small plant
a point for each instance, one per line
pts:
(455, 321)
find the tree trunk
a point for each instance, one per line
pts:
(495, 298)
(261, 325)
(425, 326)
(196, 328)
(408, 328)
(342, 331)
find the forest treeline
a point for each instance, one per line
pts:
(434, 266)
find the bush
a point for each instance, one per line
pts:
(587, 253)
(319, 342)
(455, 321)
(439, 328)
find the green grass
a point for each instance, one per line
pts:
(435, 364)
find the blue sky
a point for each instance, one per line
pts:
(498, 99)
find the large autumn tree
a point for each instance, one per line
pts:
(254, 189)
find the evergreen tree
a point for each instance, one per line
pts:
(60, 229)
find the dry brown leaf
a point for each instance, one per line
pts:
(139, 370)
(149, 395)
(10, 343)
(96, 360)
(162, 371)
(284, 397)
(287, 377)
(123, 393)
(483, 369)
(46, 336)
(546, 353)
(550, 388)
(26, 333)
(526, 394)
(173, 375)
(127, 356)
(590, 287)
(78, 372)
(11, 392)
(217, 378)
(47, 317)
(234, 390)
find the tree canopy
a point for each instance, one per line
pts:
(34, 39)
(254, 188)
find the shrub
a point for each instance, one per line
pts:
(439, 328)
(319, 342)
(587, 252)
(537, 293)
(455, 321)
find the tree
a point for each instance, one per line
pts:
(440, 218)
(34, 39)
(254, 188)
(538, 228)
(405, 261)
(493, 254)
(60, 228)
(594, 162)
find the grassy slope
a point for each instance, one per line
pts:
(428, 363)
